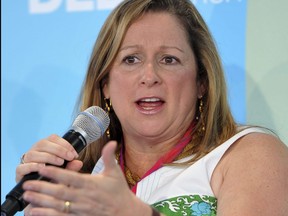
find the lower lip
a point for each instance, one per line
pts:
(150, 110)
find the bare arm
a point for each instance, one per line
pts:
(255, 178)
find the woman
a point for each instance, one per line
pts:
(156, 71)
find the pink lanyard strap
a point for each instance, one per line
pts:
(165, 159)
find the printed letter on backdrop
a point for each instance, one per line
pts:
(80, 5)
(38, 6)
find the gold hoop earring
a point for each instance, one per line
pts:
(108, 108)
(201, 129)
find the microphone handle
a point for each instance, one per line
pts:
(14, 199)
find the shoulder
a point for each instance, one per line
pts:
(254, 173)
(255, 149)
(257, 146)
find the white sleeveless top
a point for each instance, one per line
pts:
(184, 190)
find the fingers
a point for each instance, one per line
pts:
(74, 165)
(111, 168)
(43, 188)
(42, 204)
(49, 199)
(66, 177)
(54, 199)
(45, 212)
(44, 157)
(53, 150)
(63, 143)
(88, 194)
(77, 180)
(108, 154)
(24, 169)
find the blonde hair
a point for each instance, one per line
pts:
(218, 120)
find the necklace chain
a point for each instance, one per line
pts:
(132, 178)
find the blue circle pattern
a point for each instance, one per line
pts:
(201, 208)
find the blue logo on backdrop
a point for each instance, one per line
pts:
(49, 6)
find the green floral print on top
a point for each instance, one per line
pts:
(193, 205)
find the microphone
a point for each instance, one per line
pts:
(88, 126)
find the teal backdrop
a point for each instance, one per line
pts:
(46, 46)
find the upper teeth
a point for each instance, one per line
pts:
(150, 99)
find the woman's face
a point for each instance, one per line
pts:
(152, 83)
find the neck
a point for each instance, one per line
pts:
(140, 162)
(141, 154)
(140, 157)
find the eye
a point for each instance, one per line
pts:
(131, 59)
(170, 60)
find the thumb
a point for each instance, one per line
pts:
(108, 154)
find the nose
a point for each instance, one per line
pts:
(150, 75)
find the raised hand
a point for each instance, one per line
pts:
(84, 194)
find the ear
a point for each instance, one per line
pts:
(201, 89)
(105, 90)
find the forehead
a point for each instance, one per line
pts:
(161, 24)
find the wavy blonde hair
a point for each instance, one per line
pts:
(217, 117)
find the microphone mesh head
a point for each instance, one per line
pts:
(91, 123)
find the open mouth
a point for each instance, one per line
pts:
(150, 104)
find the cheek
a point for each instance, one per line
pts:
(186, 90)
(185, 83)
(119, 89)
(115, 83)
(121, 81)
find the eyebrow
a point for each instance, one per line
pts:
(129, 47)
(171, 47)
(163, 47)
